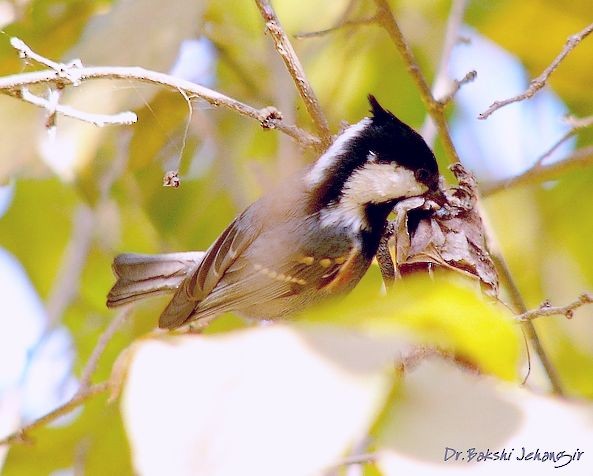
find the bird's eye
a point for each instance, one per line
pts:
(422, 175)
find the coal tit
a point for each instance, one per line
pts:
(313, 237)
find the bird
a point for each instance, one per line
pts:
(311, 238)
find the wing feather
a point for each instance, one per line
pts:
(259, 286)
(198, 285)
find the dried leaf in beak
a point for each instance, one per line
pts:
(449, 234)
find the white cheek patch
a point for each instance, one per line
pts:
(380, 182)
(318, 173)
(374, 183)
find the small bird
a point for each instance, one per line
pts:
(313, 237)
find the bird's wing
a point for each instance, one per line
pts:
(199, 283)
(248, 284)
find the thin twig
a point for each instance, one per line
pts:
(268, 117)
(91, 365)
(456, 86)
(436, 110)
(527, 326)
(347, 23)
(21, 435)
(547, 310)
(429, 130)
(538, 167)
(294, 67)
(579, 159)
(344, 18)
(577, 124)
(99, 120)
(67, 281)
(359, 459)
(538, 83)
(65, 71)
(384, 258)
(454, 23)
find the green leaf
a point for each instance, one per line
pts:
(443, 313)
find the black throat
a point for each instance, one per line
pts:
(376, 216)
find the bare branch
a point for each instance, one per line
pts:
(21, 435)
(530, 333)
(294, 67)
(358, 459)
(436, 110)
(547, 310)
(454, 23)
(538, 83)
(67, 281)
(344, 24)
(537, 167)
(99, 120)
(580, 159)
(456, 86)
(65, 71)
(91, 365)
(384, 258)
(268, 117)
(577, 124)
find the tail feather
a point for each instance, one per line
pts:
(140, 276)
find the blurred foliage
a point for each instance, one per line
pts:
(226, 161)
(434, 312)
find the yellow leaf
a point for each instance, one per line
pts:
(437, 313)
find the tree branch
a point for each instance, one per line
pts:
(456, 86)
(294, 67)
(20, 436)
(383, 257)
(436, 111)
(530, 333)
(67, 281)
(91, 365)
(268, 117)
(454, 23)
(99, 120)
(346, 23)
(538, 83)
(577, 124)
(547, 310)
(357, 459)
(579, 159)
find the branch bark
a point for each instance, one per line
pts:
(294, 67)
(386, 19)
(538, 83)
(99, 120)
(66, 75)
(547, 310)
(21, 435)
(91, 365)
(436, 111)
(454, 23)
(580, 159)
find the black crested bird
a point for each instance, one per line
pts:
(313, 237)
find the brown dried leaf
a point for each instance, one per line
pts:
(451, 236)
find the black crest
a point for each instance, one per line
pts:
(390, 141)
(377, 110)
(395, 141)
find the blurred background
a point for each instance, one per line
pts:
(74, 196)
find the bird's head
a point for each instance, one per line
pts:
(372, 165)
